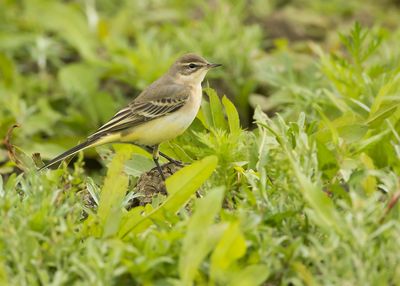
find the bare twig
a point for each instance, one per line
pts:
(392, 202)
(10, 148)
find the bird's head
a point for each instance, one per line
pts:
(190, 69)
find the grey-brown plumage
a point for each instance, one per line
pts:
(162, 111)
(140, 111)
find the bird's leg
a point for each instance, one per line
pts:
(155, 159)
(176, 162)
(171, 160)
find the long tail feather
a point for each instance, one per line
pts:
(68, 153)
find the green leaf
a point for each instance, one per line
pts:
(384, 91)
(304, 273)
(134, 217)
(230, 248)
(347, 127)
(232, 114)
(138, 165)
(197, 243)
(352, 133)
(68, 21)
(180, 187)
(205, 115)
(113, 191)
(325, 213)
(378, 117)
(190, 176)
(369, 182)
(326, 160)
(251, 275)
(217, 114)
(199, 238)
(79, 78)
(104, 104)
(7, 69)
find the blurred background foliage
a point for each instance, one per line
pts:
(305, 185)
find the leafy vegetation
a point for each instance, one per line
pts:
(305, 195)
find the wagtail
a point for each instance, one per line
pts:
(164, 110)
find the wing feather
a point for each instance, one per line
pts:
(142, 111)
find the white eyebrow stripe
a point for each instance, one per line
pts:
(196, 63)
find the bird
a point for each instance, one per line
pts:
(161, 112)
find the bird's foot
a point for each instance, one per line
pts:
(176, 162)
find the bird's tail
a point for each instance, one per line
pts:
(69, 152)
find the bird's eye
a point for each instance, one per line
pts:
(192, 66)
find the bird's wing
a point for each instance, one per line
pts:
(168, 99)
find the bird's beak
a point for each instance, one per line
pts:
(210, 66)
